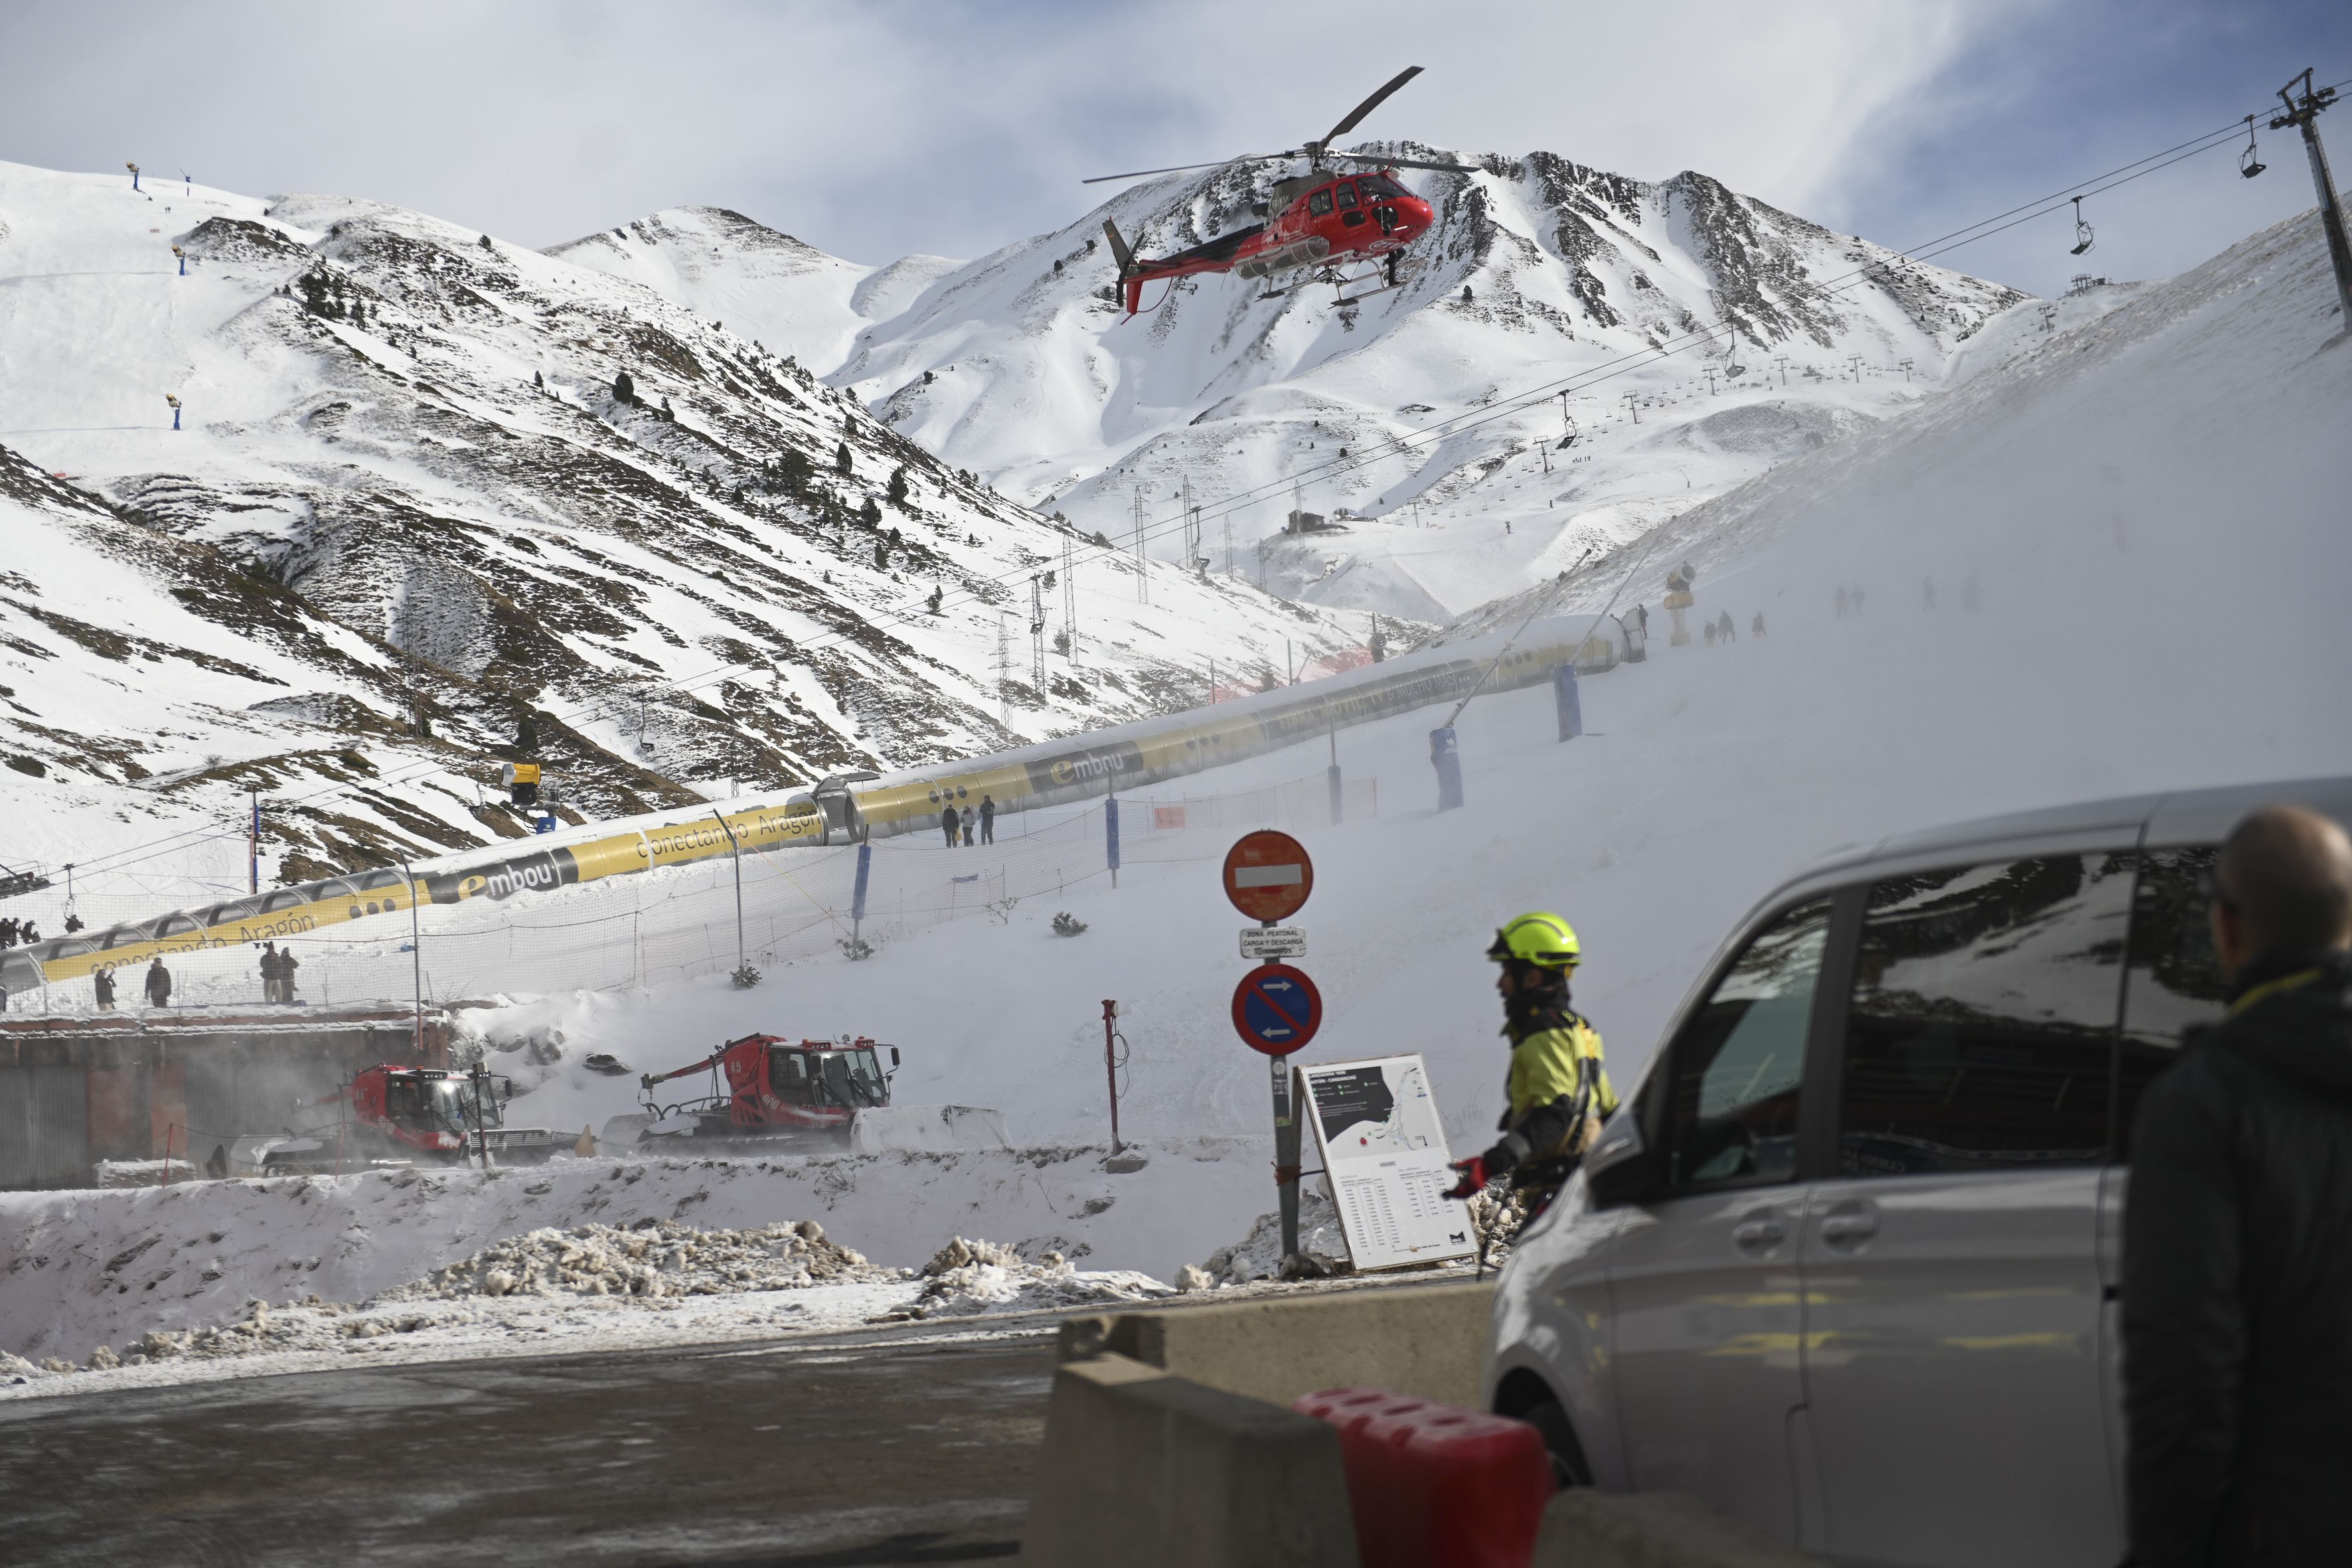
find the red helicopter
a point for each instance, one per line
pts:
(1319, 219)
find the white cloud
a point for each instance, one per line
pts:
(876, 129)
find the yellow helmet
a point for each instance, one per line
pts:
(1540, 938)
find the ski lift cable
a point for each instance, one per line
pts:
(1468, 420)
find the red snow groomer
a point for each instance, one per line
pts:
(809, 1093)
(392, 1115)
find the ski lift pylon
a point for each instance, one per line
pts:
(2250, 163)
(2082, 234)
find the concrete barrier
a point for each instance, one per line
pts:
(1585, 1529)
(1418, 1339)
(1145, 1470)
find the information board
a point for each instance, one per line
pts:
(1385, 1158)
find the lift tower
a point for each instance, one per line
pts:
(2304, 116)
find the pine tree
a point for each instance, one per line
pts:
(666, 411)
(488, 246)
(841, 459)
(869, 514)
(881, 555)
(527, 736)
(899, 485)
(624, 389)
(937, 594)
(539, 381)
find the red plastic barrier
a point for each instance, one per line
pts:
(1435, 1486)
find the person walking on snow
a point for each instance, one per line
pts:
(948, 823)
(968, 816)
(158, 984)
(988, 819)
(1756, 628)
(270, 972)
(101, 984)
(1557, 1089)
(286, 965)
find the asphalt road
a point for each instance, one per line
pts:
(912, 1447)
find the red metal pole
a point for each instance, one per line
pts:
(1110, 1069)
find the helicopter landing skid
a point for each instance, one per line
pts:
(1347, 299)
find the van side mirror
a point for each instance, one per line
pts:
(894, 1055)
(1622, 1167)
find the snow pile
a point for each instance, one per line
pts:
(80, 1269)
(652, 1257)
(1259, 1255)
(967, 1277)
(599, 1286)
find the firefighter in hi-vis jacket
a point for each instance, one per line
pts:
(1558, 1091)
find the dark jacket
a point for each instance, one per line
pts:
(2237, 1309)
(159, 987)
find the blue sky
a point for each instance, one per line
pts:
(875, 129)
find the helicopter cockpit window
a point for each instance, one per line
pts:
(1379, 185)
(1344, 195)
(1319, 204)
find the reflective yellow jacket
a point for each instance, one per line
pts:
(1558, 1091)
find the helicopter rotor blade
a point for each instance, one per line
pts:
(1365, 107)
(1180, 168)
(1404, 164)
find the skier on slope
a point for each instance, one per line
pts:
(1557, 1089)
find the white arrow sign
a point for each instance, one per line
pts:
(1263, 943)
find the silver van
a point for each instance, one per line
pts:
(1846, 1265)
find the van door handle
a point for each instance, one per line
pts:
(1848, 1227)
(1757, 1231)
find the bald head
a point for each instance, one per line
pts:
(2285, 882)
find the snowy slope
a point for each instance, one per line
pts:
(723, 267)
(1018, 367)
(408, 435)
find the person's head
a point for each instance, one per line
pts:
(2284, 885)
(1534, 955)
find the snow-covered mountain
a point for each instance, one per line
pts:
(409, 487)
(1391, 416)
(776, 289)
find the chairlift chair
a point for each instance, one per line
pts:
(2082, 235)
(2250, 163)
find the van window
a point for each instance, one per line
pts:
(2173, 981)
(1737, 1065)
(1983, 1018)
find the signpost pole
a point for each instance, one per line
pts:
(1286, 1160)
(1110, 1066)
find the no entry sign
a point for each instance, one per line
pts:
(1268, 875)
(1277, 1009)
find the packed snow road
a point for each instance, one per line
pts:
(912, 1446)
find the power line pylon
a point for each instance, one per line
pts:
(1037, 634)
(1142, 576)
(1003, 674)
(1070, 599)
(2305, 117)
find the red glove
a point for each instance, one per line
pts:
(1474, 1177)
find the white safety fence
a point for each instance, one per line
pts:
(682, 921)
